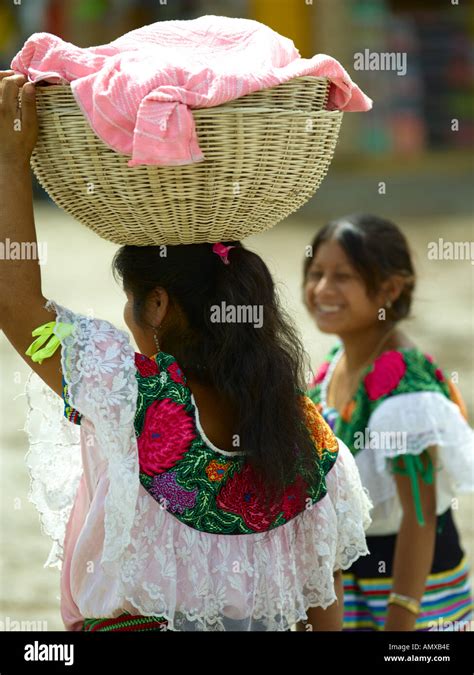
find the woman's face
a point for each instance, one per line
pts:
(335, 293)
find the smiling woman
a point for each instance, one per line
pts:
(416, 447)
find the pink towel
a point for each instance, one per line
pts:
(137, 91)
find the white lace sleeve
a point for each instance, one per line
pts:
(98, 365)
(410, 423)
(53, 461)
(352, 504)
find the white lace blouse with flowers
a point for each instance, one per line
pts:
(121, 550)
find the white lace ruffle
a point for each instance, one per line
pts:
(98, 364)
(144, 560)
(55, 466)
(353, 505)
(263, 581)
(427, 419)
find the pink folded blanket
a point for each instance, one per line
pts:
(137, 91)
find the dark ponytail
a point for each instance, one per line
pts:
(257, 368)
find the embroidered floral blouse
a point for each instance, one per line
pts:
(149, 517)
(403, 405)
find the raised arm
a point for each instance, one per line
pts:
(21, 298)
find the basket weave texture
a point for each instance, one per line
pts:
(266, 154)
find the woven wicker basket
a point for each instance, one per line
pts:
(265, 155)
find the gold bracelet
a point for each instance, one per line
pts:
(404, 601)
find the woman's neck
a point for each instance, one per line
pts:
(360, 345)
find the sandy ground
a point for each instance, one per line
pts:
(77, 274)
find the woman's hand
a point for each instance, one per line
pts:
(18, 127)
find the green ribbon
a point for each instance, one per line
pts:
(45, 333)
(414, 467)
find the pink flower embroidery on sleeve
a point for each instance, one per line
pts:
(146, 366)
(176, 373)
(321, 374)
(386, 374)
(438, 372)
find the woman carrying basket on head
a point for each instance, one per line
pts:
(193, 486)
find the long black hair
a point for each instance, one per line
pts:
(259, 370)
(377, 249)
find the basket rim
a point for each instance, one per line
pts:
(51, 89)
(311, 78)
(268, 111)
(231, 110)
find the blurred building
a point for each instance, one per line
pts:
(424, 114)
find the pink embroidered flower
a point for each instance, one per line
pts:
(438, 372)
(242, 494)
(145, 366)
(386, 374)
(321, 374)
(167, 434)
(176, 373)
(216, 470)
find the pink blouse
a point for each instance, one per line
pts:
(119, 549)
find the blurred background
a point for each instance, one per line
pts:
(416, 143)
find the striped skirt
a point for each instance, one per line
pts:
(447, 604)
